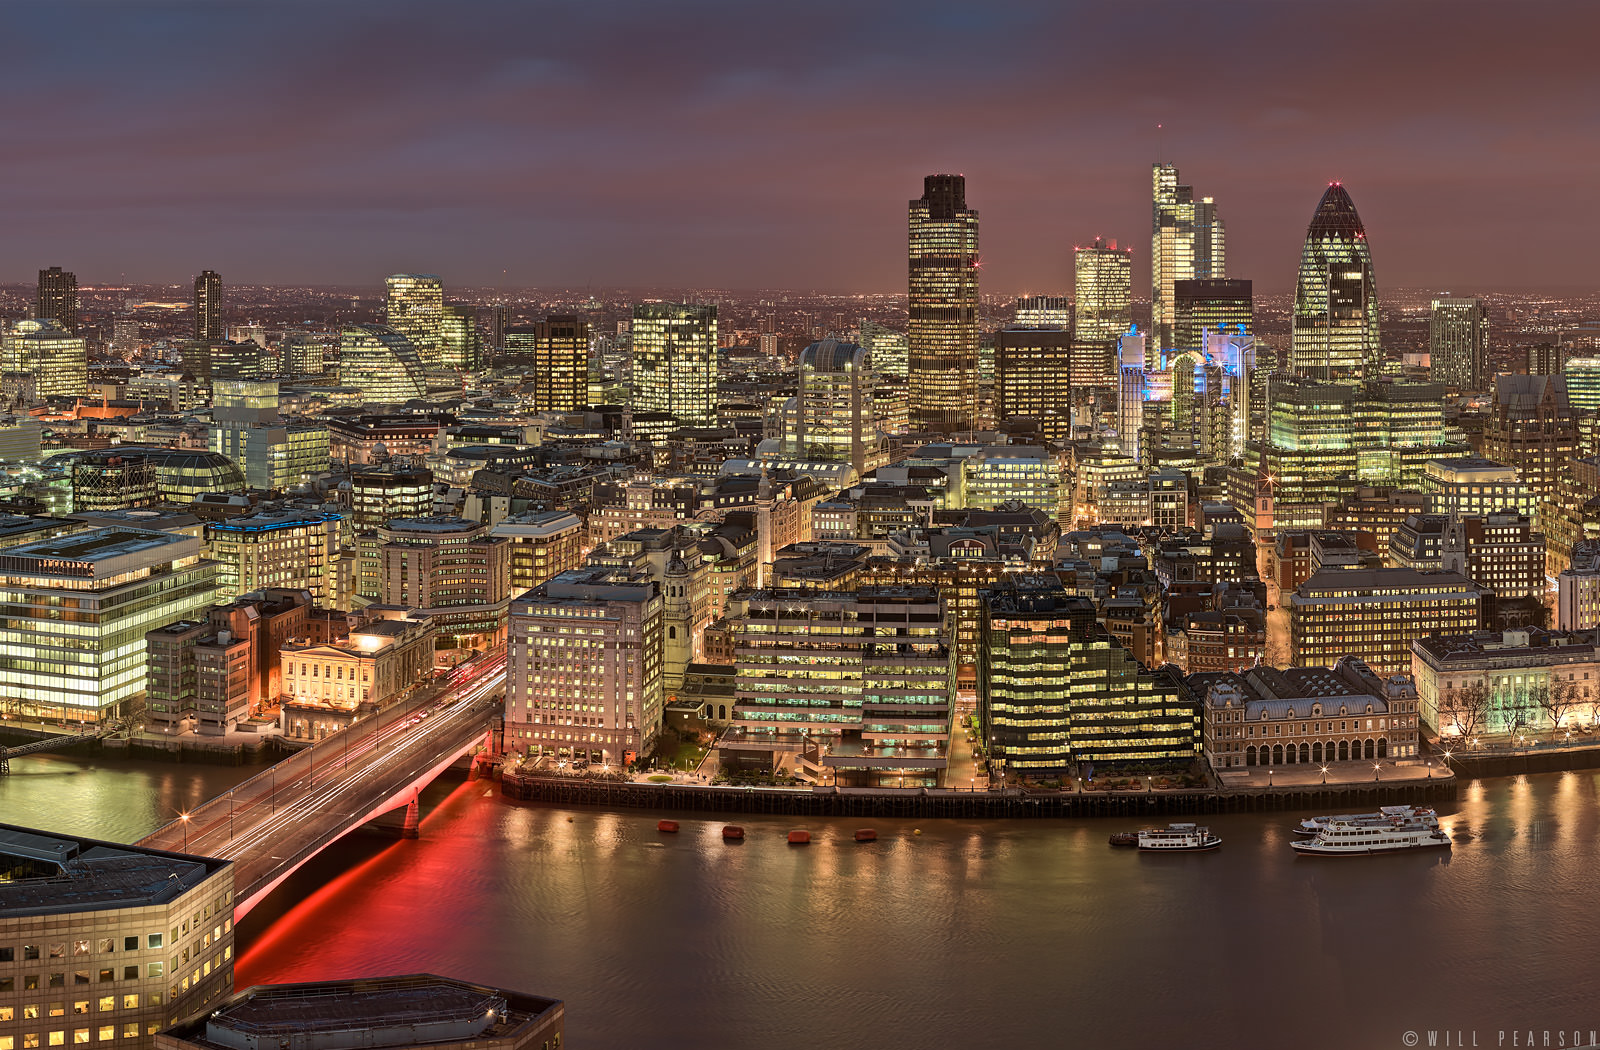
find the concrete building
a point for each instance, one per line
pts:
(328, 685)
(543, 544)
(1578, 589)
(1375, 615)
(449, 569)
(417, 1011)
(106, 943)
(379, 494)
(277, 549)
(1517, 683)
(584, 666)
(1472, 486)
(120, 583)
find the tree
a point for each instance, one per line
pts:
(1466, 709)
(1558, 699)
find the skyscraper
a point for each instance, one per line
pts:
(1033, 378)
(1336, 297)
(1205, 304)
(416, 303)
(381, 363)
(460, 346)
(1104, 284)
(833, 406)
(1043, 311)
(1186, 241)
(208, 306)
(554, 357)
(942, 337)
(58, 298)
(675, 361)
(1458, 343)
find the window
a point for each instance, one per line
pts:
(153, 941)
(107, 944)
(130, 973)
(30, 951)
(130, 1002)
(130, 944)
(107, 1033)
(156, 969)
(58, 951)
(108, 974)
(7, 954)
(58, 1038)
(81, 1006)
(80, 1035)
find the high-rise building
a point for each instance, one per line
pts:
(415, 306)
(1187, 240)
(553, 356)
(544, 543)
(675, 362)
(832, 417)
(57, 360)
(886, 349)
(290, 548)
(1336, 297)
(208, 306)
(378, 495)
(1034, 378)
(450, 569)
(58, 298)
(1043, 311)
(460, 346)
(1458, 343)
(584, 665)
(381, 363)
(942, 339)
(1205, 304)
(1104, 284)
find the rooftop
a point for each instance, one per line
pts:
(52, 874)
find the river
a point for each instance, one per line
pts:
(1021, 933)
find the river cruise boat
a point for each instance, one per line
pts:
(1178, 838)
(1312, 825)
(1365, 836)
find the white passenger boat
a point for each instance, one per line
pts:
(1312, 825)
(1177, 838)
(1365, 836)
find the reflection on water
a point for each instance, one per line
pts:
(121, 800)
(1024, 933)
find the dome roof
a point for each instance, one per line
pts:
(1336, 216)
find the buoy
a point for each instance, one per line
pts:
(866, 835)
(733, 833)
(667, 825)
(569, 820)
(799, 838)
(916, 831)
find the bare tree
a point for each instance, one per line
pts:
(1466, 709)
(1558, 699)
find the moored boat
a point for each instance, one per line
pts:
(733, 833)
(866, 835)
(1367, 836)
(799, 838)
(1125, 838)
(667, 825)
(1425, 814)
(1178, 838)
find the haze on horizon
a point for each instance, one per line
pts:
(712, 144)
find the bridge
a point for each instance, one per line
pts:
(54, 743)
(276, 821)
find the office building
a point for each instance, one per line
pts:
(1474, 684)
(379, 494)
(382, 363)
(1336, 298)
(56, 360)
(584, 666)
(106, 943)
(450, 569)
(57, 298)
(1203, 305)
(544, 544)
(1103, 282)
(271, 454)
(1500, 553)
(856, 685)
(886, 349)
(1043, 311)
(460, 345)
(415, 307)
(1578, 589)
(1375, 614)
(675, 362)
(1056, 695)
(1187, 241)
(1472, 487)
(1458, 344)
(208, 307)
(1532, 428)
(122, 582)
(553, 359)
(1583, 382)
(290, 548)
(1033, 378)
(942, 336)
(413, 1012)
(832, 417)
(113, 481)
(329, 684)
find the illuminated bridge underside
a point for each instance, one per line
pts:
(276, 821)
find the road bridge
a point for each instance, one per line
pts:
(276, 821)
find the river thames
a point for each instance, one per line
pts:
(1019, 933)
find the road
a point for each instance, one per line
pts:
(273, 822)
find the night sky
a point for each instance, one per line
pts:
(759, 144)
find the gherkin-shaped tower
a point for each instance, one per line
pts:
(1336, 298)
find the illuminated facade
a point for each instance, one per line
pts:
(1206, 305)
(57, 360)
(675, 362)
(460, 346)
(886, 349)
(942, 339)
(833, 409)
(415, 307)
(553, 357)
(1043, 311)
(1458, 344)
(285, 549)
(450, 569)
(1057, 693)
(1104, 284)
(1187, 241)
(121, 583)
(57, 299)
(208, 307)
(543, 544)
(584, 665)
(328, 685)
(1336, 297)
(1472, 487)
(1376, 614)
(1033, 378)
(380, 362)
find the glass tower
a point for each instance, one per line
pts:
(57, 299)
(1208, 304)
(675, 361)
(942, 337)
(416, 304)
(1187, 241)
(381, 363)
(554, 357)
(1336, 298)
(1043, 311)
(1458, 343)
(208, 307)
(1104, 284)
(460, 346)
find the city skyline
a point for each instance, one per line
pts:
(524, 164)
